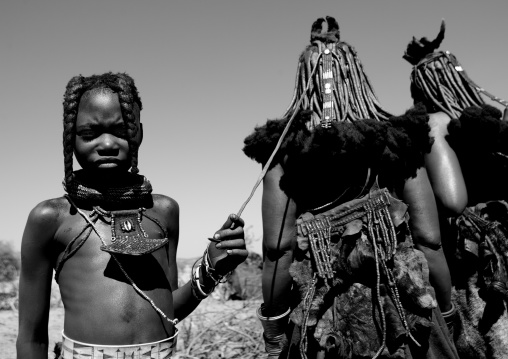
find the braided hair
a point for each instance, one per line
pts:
(339, 88)
(439, 81)
(81, 87)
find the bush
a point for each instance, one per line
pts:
(9, 262)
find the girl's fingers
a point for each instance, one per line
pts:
(238, 252)
(233, 222)
(233, 227)
(231, 244)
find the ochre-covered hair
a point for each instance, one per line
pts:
(331, 79)
(77, 87)
(439, 81)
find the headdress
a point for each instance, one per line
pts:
(331, 80)
(438, 79)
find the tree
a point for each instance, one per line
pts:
(9, 262)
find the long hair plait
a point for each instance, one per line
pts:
(351, 95)
(340, 77)
(439, 81)
(128, 95)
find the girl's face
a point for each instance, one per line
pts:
(101, 134)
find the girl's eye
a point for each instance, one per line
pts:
(87, 135)
(120, 133)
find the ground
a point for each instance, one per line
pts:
(9, 331)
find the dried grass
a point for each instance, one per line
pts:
(221, 329)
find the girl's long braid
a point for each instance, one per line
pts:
(72, 96)
(353, 97)
(126, 94)
(439, 81)
(78, 86)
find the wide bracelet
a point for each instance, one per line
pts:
(273, 327)
(273, 330)
(273, 345)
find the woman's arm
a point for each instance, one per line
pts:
(444, 169)
(279, 218)
(424, 223)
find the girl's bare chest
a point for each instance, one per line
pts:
(87, 240)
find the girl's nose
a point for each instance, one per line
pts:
(107, 144)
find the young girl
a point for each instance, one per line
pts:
(111, 242)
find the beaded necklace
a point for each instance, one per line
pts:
(138, 190)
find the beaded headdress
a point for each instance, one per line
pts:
(331, 80)
(439, 80)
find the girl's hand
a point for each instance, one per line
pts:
(227, 249)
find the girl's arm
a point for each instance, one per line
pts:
(224, 257)
(35, 282)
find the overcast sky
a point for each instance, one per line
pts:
(208, 72)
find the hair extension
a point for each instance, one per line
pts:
(340, 91)
(439, 81)
(79, 87)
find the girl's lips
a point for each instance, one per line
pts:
(107, 162)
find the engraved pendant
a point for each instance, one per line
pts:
(129, 237)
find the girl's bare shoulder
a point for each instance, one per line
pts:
(165, 204)
(50, 210)
(45, 219)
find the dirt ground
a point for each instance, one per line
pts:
(9, 331)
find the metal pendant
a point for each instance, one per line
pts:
(129, 237)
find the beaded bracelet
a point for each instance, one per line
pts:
(209, 270)
(196, 286)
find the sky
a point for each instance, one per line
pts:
(208, 72)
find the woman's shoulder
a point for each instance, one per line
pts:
(479, 128)
(409, 139)
(261, 143)
(439, 122)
